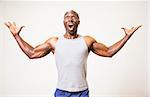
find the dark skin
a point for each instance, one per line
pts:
(71, 22)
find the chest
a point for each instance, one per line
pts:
(71, 48)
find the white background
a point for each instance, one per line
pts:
(124, 75)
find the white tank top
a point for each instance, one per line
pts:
(71, 61)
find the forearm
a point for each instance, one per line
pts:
(102, 50)
(36, 52)
(25, 47)
(112, 50)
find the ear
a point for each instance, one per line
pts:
(78, 22)
(63, 22)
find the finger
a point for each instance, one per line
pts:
(21, 28)
(124, 29)
(14, 23)
(7, 24)
(139, 26)
(136, 28)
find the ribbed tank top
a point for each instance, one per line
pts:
(71, 62)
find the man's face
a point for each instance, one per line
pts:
(71, 22)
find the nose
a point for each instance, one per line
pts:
(70, 19)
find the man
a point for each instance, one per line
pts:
(71, 52)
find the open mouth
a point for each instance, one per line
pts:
(70, 26)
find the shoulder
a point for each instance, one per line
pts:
(54, 38)
(52, 41)
(89, 40)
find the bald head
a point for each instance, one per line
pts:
(72, 11)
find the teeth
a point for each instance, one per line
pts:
(70, 25)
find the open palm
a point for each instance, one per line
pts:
(13, 28)
(129, 32)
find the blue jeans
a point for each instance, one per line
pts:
(62, 93)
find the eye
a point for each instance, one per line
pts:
(66, 16)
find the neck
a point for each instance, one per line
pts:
(69, 36)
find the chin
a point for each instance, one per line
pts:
(72, 31)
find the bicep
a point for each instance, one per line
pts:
(41, 50)
(100, 49)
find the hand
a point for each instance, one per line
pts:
(129, 32)
(13, 28)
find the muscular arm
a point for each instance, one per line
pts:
(102, 50)
(32, 52)
(37, 52)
